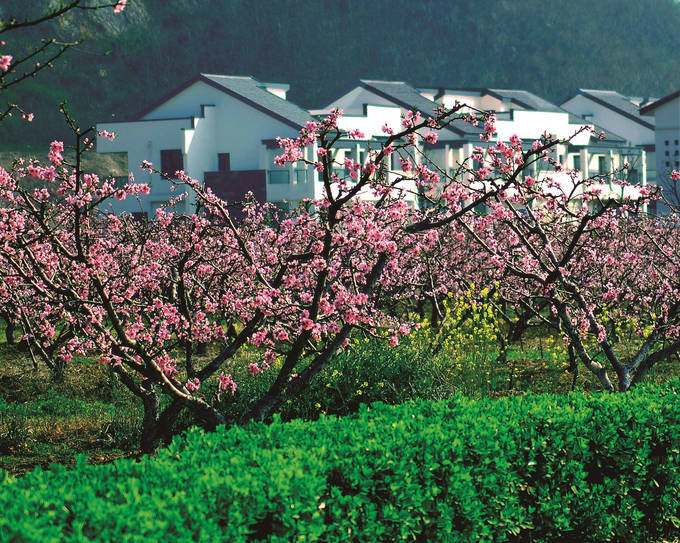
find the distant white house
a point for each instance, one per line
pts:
(528, 116)
(519, 112)
(666, 113)
(619, 114)
(222, 130)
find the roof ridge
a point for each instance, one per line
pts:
(602, 90)
(384, 81)
(228, 76)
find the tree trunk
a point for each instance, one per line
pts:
(150, 427)
(9, 330)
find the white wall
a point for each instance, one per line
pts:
(143, 140)
(532, 124)
(371, 124)
(667, 117)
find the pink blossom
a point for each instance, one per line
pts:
(106, 134)
(431, 137)
(56, 148)
(5, 61)
(193, 385)
(120, 6)
(226, 383)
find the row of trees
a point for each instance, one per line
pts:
(146, 298)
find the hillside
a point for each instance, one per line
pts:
(322, 47)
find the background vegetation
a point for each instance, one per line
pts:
(322, 47)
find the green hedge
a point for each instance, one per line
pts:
(533, 468)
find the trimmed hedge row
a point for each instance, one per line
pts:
(533, 468)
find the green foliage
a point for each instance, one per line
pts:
(460, 356)
(531, 44)
(539, 468)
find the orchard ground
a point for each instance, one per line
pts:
(44, 422)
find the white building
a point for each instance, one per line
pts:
(666, 113)
(218, 129)
(222, 130)
(528, 116)
(620, 115)
(518, 112)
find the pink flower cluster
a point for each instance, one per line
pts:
(5, 61)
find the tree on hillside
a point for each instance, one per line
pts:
(530, 45)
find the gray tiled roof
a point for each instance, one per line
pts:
(615, 100)
(408, 97)
(252, 89)
(527, 100)
(532, 102)
(619, 102)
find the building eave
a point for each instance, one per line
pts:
(651, 107)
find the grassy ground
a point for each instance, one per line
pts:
(44, 422)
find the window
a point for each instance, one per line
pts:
(577, 162)
(676, 142)
(667, 142)
(279, 177)
(667, 153)
(601, 164)
(675, 153)
(300, 176)
(171, 161)
(223, 162)
(668, 163)
(139, 216)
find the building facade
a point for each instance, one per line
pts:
(222, 130)
(666, 113)
(619, 114)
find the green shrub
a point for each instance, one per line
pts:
(372, 371)
(533, 468)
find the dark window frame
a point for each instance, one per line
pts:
(223, 162)
(172, 160)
